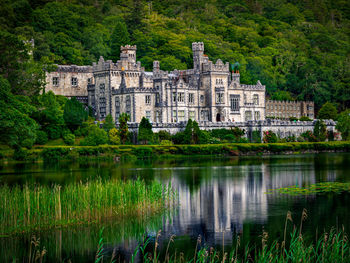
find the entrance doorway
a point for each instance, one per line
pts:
(218, 117)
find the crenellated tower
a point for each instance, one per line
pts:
(198, 52)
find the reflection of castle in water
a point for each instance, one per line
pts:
(228, 198)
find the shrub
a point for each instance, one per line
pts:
(41, 137)
(230, 138)
(256, 136)
(145, 133)
(309, 136)
(52, 154)
(269, 137)
(304, 118)
(330, 135)
(164, 135)
(69, 138)
(20, 154)
(166, 142)
(114, 136)
(291, 138)
(95, 137)
(53, 131)
(320, 131)
(27, 143)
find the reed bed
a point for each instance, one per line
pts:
(31, 207)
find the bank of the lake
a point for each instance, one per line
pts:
(117, 152)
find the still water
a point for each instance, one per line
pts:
(220, 199)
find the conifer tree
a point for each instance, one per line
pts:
(119, 37)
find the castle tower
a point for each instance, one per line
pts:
(155, 66)
(128, 53)
(198, 50)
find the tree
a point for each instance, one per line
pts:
(328, 112)
(108, 123)
(114, 137)
(145, 133)
(119, 37)
(188, 133)
(96, 136)
(15, 123)
(320, 131)
(123, 127)
(343, 124)
(74, 114)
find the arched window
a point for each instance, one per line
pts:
(256, 99)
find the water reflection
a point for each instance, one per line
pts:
(219, 199)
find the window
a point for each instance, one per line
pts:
(181, 97)
(158, 117)
(174, 116)
(174, 96)
(219, 82)
(74, 81)
(257, 115)
(102, 88)
(202, 98)
(204, 115)
(148, 115)
(117, 108)
(280, 107)
(234, 102)
(256, 99)
(102, 107)
(157, 98)
(248, 116)
(245, 98)
(128, 105)
(148, 99)
(191, 115)
(181, 115)
(89, 81)
(219, 98)
(55, 81)
(190, 98)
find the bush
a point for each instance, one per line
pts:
(309, 136)
(69, 138)
(114, 137)
(56, 153)
(41, 137)
(164, 135)
(256, 137)
(304, 118)
(27, 143)
(53, 131)
(20, 154)
(270, 137)
(96, 136)
(166, 142)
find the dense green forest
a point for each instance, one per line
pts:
(299, 48)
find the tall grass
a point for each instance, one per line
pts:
(34, 207)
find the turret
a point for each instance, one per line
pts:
(198, 50)
(128, 53)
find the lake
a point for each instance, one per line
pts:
(219, 199)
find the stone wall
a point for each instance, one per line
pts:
(287, 109)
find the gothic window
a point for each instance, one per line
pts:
(89, 81)
(174, 96)
(55, 81)
(117, 108)
(102, 107)
(191, 115)
(219, 98)
(157, 98)
(202, 98)
(234, 102)
(174, 116)
(248, 115)
(181, 115)
(190, 98)
(256, 99)
(204, 115)
(74, 81)
(257, 115)
(148, 99)
(181, 97)
(148, 115)
(158, 117)
(128, 105)
(102, 88)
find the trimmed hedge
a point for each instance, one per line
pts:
(147, 151)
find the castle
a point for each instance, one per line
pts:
(207, 93)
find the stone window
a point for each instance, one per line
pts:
(275, 107)
(219, 82)
(158, 117)
(202, 98)
(190, 98)
(256, 99)
(148, 99)
(191, 115)
(204, 115)
(102, 107)
(89, 81)
(55, 81)
(234, 102)
(117, 108)
(157, 98)
(257, 115)
(148, 115)
(181, 97)
(248, 115)
(280, 107)
(245, 98)
(181, 115)
(284, 107)
(74, 81)
(102, 88)
(174, 96)
(219, 98)
(174, 116)
(128, 105)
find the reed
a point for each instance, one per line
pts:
(35, 207)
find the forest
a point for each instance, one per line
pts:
(299, 49)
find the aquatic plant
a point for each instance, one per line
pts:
(35, 206)
(318, 188)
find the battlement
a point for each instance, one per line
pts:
(197, 46)
(74, 68)
(128, 47)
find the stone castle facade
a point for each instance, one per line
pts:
(207, 93)
(287, 109)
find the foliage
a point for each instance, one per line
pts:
(123, 127)
(343, 124)
(166, 142)
(20, 154)
(96, 136)
(309, 136)
(145, 134)
(27, 143)
(114, 137)
(328, 112)
(69, 138)
(164, 135)
(74, 114)
(319, 188)
(269, 137)
(256, 136)
(304, 118)
(108, 123)
(320, 131)
(41, 137)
